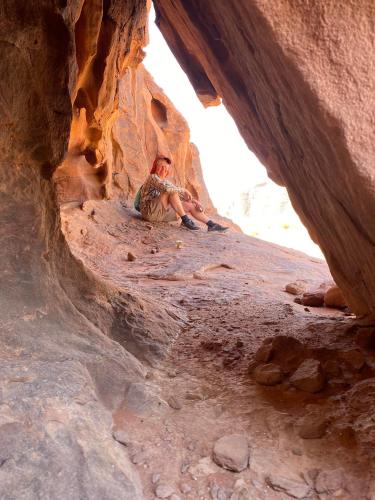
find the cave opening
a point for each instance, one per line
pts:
(143, 360)
(236, 180)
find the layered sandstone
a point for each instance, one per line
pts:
(297, 79)
(61, 373)
(142, 124)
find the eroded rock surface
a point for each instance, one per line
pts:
(301, 93)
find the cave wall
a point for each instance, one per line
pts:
(297, 79)
(148, 124)
(143, 123)
(61, 373)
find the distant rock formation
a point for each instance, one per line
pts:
(143, 124)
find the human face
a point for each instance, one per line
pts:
(162, 169)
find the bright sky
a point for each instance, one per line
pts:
(247, 196)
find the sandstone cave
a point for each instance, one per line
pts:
(184, 373)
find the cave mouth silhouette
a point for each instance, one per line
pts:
(237, 181)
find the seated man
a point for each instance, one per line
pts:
(162, 201)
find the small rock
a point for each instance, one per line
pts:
(185, 488)
(154, 250)
(131, 257)
(296, 287)
(291, 487)
(264, 353)
(185, 467)
(334, 298)
(204, 467)
(164, 490)
(121, 436)
(313, 299)
(308, 376)
(269, 374)
(155, 478)
(194, 396)
(174, 403)
(232, 452)
(312, 427)
(354, 358)
(298, 300)
(241, 491)
(219, 493)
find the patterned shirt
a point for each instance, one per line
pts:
(154, 187)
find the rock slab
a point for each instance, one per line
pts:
(308, 376)
(232, 452)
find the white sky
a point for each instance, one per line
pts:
(223, 150)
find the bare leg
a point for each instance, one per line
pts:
(174, 200)
(190, 208)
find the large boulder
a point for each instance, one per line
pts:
(301, 93)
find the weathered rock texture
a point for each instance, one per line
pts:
(61, 374)
(296, 78)
(148, 124)
(142, 124)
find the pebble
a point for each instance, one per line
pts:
(184, 467)
(174, 403)
(164, 490)
(308, 377)
(131, 257)
(219, 493)
(269, 374)
(296, 287)
(292, 487)
(232, 452)
(313, 299)
(193, 396)
(155, 478)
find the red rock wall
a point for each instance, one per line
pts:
(297, 78)
(142, 124)
(148, 124)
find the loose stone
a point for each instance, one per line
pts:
(232, 452)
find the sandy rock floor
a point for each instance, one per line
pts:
(226, 290)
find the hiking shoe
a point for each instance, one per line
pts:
(189, 224)
(217, 227)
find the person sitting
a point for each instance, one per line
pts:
(159, 200)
